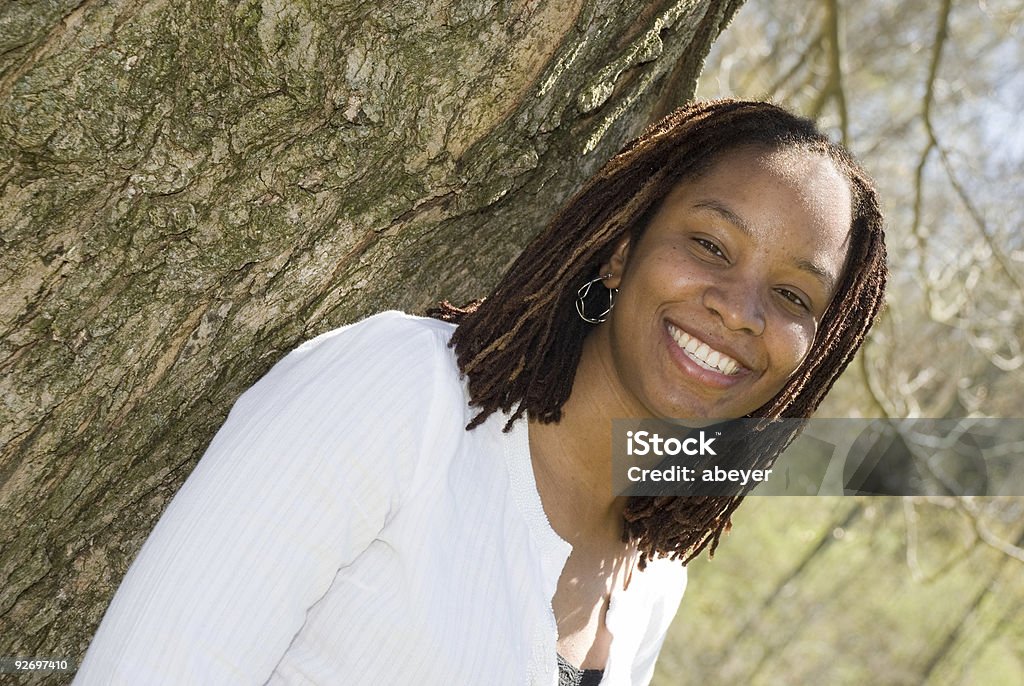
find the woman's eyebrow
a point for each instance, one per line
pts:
(726, 214)
(827, 280)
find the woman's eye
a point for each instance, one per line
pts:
(793, 298)
(710, 247)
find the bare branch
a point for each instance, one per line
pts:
(972, 512)
(910, 516)
(917, 230)
(875, 390)
(979, 220)
(910, 519)
(807, 57)
(964, 503)
(835, 62)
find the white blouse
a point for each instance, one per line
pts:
(317, 542)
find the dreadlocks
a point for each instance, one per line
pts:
(521, 345)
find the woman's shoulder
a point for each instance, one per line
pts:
(390, 344)
(390, 360)
(386, 333)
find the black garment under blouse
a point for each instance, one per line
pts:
(568, 675)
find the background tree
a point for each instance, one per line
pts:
(885, 590)
(190, 189)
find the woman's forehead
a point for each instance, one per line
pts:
(812, 179)
(792, 163)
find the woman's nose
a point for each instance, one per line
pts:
(739, 305)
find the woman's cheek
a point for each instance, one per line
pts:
(803, 339)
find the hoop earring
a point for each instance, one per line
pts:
(581, 295)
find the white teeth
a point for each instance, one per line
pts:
(704, 354)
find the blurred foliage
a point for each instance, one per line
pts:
(889, 590)
(851, 591)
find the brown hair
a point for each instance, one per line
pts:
(520, 346)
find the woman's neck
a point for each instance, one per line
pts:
(572, 459)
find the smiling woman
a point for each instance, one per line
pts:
(748, 168)
(722, 293)
(429, 500)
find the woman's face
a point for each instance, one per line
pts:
(720, 299)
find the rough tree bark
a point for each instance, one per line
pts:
(190, 189)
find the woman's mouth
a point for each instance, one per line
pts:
(704, 355)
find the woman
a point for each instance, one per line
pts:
(403, 501)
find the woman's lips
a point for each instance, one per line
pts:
(698, 359)
(703, 354)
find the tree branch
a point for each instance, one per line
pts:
(836, 89)
(917, 230)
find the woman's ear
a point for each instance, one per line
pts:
(616, 264)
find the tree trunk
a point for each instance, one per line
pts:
(191, 189)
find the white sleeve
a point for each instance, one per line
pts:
(310, 465)
(668, 590)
